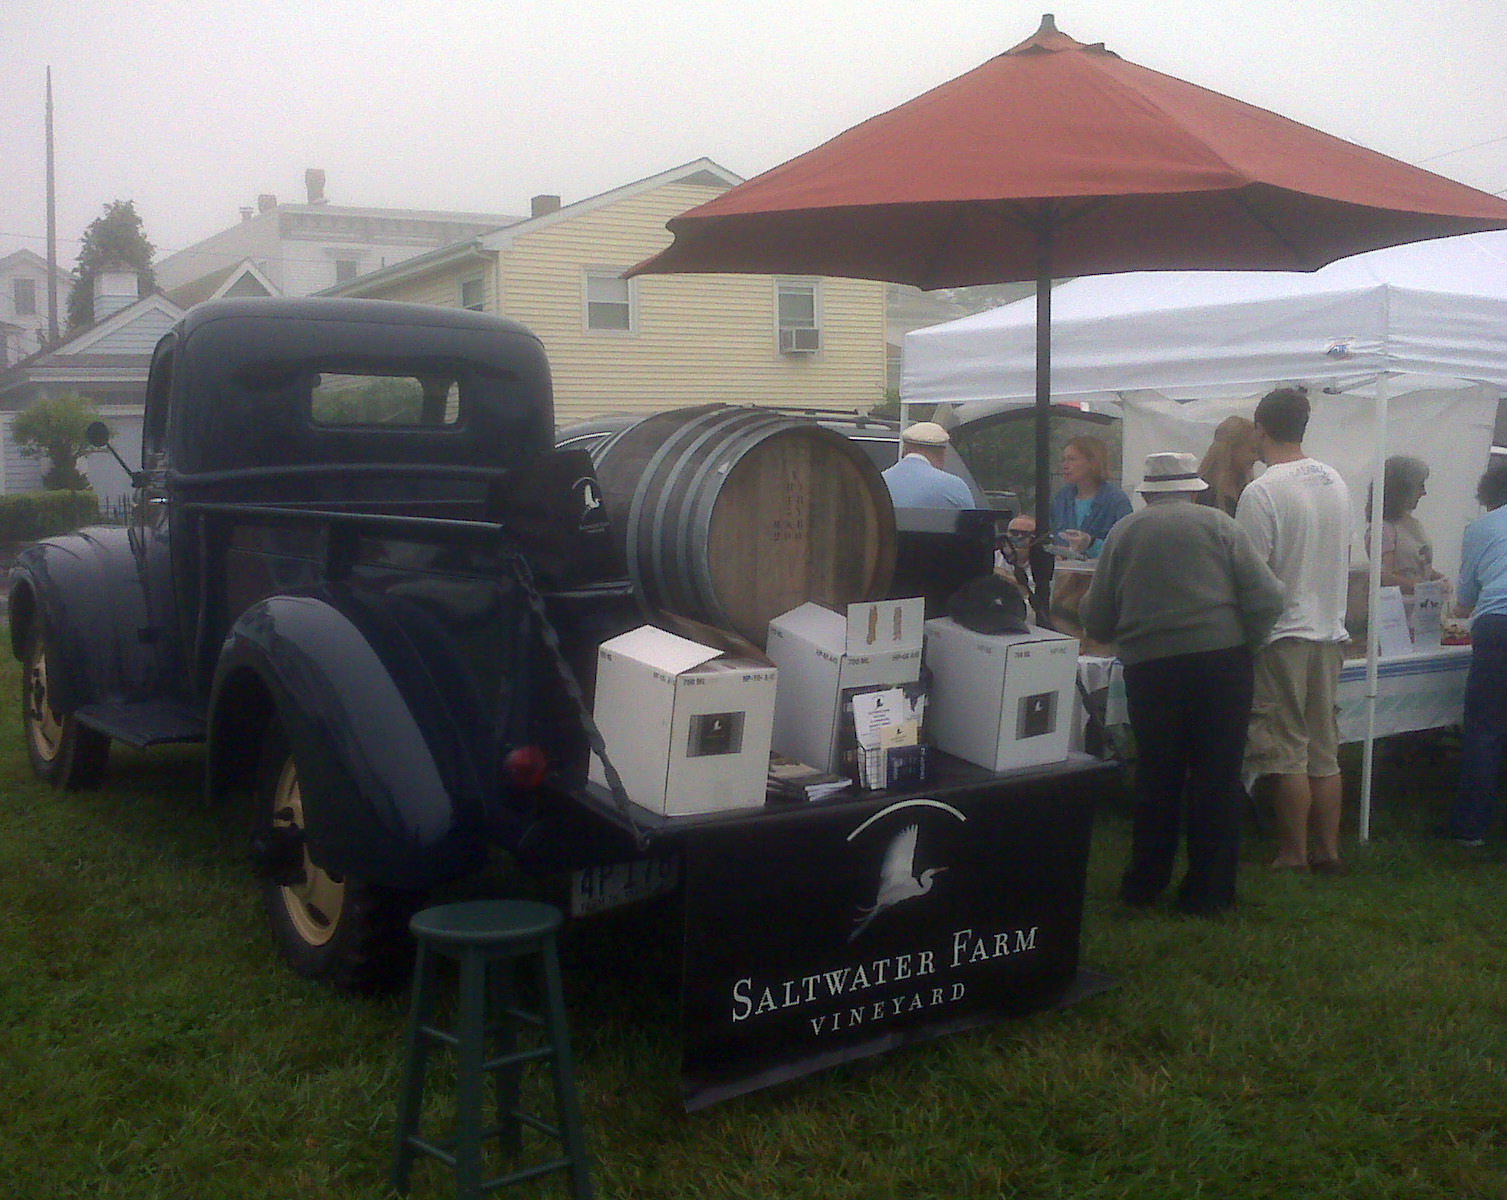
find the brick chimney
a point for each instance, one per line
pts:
(245, 212)
(313, 181)
(541, 206)
(266, 202)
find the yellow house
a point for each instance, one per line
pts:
(662, 341)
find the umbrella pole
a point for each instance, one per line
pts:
(1042, 562)
(1043, 372)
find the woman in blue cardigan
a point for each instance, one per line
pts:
(1086, 507)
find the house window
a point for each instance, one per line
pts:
(473, 294)
(346, 269)
(610, 302)
(796, 308)
(26, 297)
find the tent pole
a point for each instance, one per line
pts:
(1373, 600)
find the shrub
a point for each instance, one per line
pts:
(54, 428)
(26, 516)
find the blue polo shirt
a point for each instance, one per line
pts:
(915, 483)
(1483, 564)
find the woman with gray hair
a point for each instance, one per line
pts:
(1407, 555)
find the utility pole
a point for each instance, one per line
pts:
(52, 229)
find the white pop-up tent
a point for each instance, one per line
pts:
(1404, 350)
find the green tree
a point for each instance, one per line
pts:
(115, 239)
(55, 427)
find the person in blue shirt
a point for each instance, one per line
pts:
(918, 480)
(1483, 594)
(1087, 505)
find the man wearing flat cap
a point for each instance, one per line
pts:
(918, 480)
(1185, 597)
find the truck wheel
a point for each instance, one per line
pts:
(62, 752)
(332, 928)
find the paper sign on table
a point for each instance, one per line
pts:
(874, 712)
(1392, 635)
(1428, 612)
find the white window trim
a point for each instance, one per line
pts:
(818, 322)
(460, 297)
(589, 273)
(15, 295)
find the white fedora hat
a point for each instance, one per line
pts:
(1171, 471)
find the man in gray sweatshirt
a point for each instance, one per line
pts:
(1183, 595)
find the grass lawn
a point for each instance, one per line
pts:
(1338, 1037)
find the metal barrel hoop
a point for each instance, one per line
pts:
(678, 449)
(632, 534)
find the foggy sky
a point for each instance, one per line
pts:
(192, 109)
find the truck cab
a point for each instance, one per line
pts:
(349, 525)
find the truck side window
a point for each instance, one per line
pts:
(339, 398)
(159, 389)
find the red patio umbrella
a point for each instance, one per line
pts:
(1058, 158)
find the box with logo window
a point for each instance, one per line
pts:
(825, 657)
(687, 727)
(1000, 700)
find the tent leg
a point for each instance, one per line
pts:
(1373, 596)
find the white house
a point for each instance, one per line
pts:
(24, 306)
(107, 363)
(304, 248)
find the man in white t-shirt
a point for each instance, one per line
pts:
(1297, 515)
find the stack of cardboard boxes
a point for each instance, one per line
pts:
(690, 730)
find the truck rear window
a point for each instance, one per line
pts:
(392, 400)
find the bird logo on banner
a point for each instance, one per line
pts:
(898, 880)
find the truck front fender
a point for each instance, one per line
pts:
(388, 797)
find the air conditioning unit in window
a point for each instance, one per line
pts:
(800, 341)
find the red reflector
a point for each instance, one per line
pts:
(526, 766)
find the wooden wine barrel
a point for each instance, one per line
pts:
(734, 515)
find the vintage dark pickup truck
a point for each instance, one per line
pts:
(359, 571)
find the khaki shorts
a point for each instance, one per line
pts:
(1293, 728)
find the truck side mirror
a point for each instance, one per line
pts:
(97, 434)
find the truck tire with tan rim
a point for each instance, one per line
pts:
(330, 927)
(62, 752)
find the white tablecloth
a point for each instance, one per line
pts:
(1422, 690)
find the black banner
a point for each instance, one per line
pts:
(832, 931)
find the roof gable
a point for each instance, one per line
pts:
(126, 332)
(21, 260)
(244, 278)
(703, 172)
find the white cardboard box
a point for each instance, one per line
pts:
(1000, 701)
(687, 729)
(822, 654)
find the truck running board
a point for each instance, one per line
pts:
(145, 723)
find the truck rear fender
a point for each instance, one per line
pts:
(82, 591)
(385, 800)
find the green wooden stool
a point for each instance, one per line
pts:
(488, 938)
